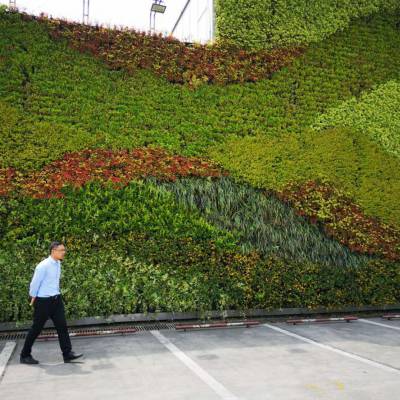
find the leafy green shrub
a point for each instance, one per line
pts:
(95, 210)
(105, 281)
(27, 141)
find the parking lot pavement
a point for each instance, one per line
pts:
(351, 361)
(6, 351)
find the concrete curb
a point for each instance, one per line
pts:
(176, 316)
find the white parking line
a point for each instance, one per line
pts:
(5, 356)
(200, 372)
(379, 324)
(338, 351)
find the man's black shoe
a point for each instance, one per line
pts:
(71, 356)
(28, 360)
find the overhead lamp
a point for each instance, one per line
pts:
(158, 8)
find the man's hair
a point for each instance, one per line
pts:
(54, 245)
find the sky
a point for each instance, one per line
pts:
(129, 13)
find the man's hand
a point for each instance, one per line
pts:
(32, 301)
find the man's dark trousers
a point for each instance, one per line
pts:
(45, 308)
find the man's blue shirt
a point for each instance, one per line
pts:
(46, 279)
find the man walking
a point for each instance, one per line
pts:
(47, 303)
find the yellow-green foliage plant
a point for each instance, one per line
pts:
(376, 113)
(259, 24)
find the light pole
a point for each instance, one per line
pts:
(85, 18)
(156, 7)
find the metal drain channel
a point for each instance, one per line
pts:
(12, 335)
(93, 331)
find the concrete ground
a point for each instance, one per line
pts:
(352, 361)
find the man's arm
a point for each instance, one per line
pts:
(37, 279)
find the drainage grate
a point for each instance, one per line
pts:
(12, 335)
(155, 326)
(107, 330)
(95, 331)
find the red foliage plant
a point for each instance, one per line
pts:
(117, 167)
(7, 180)
(177, 61)
(342, 219)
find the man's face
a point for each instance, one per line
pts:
(59, 252)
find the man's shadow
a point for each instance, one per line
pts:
(61, 368)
